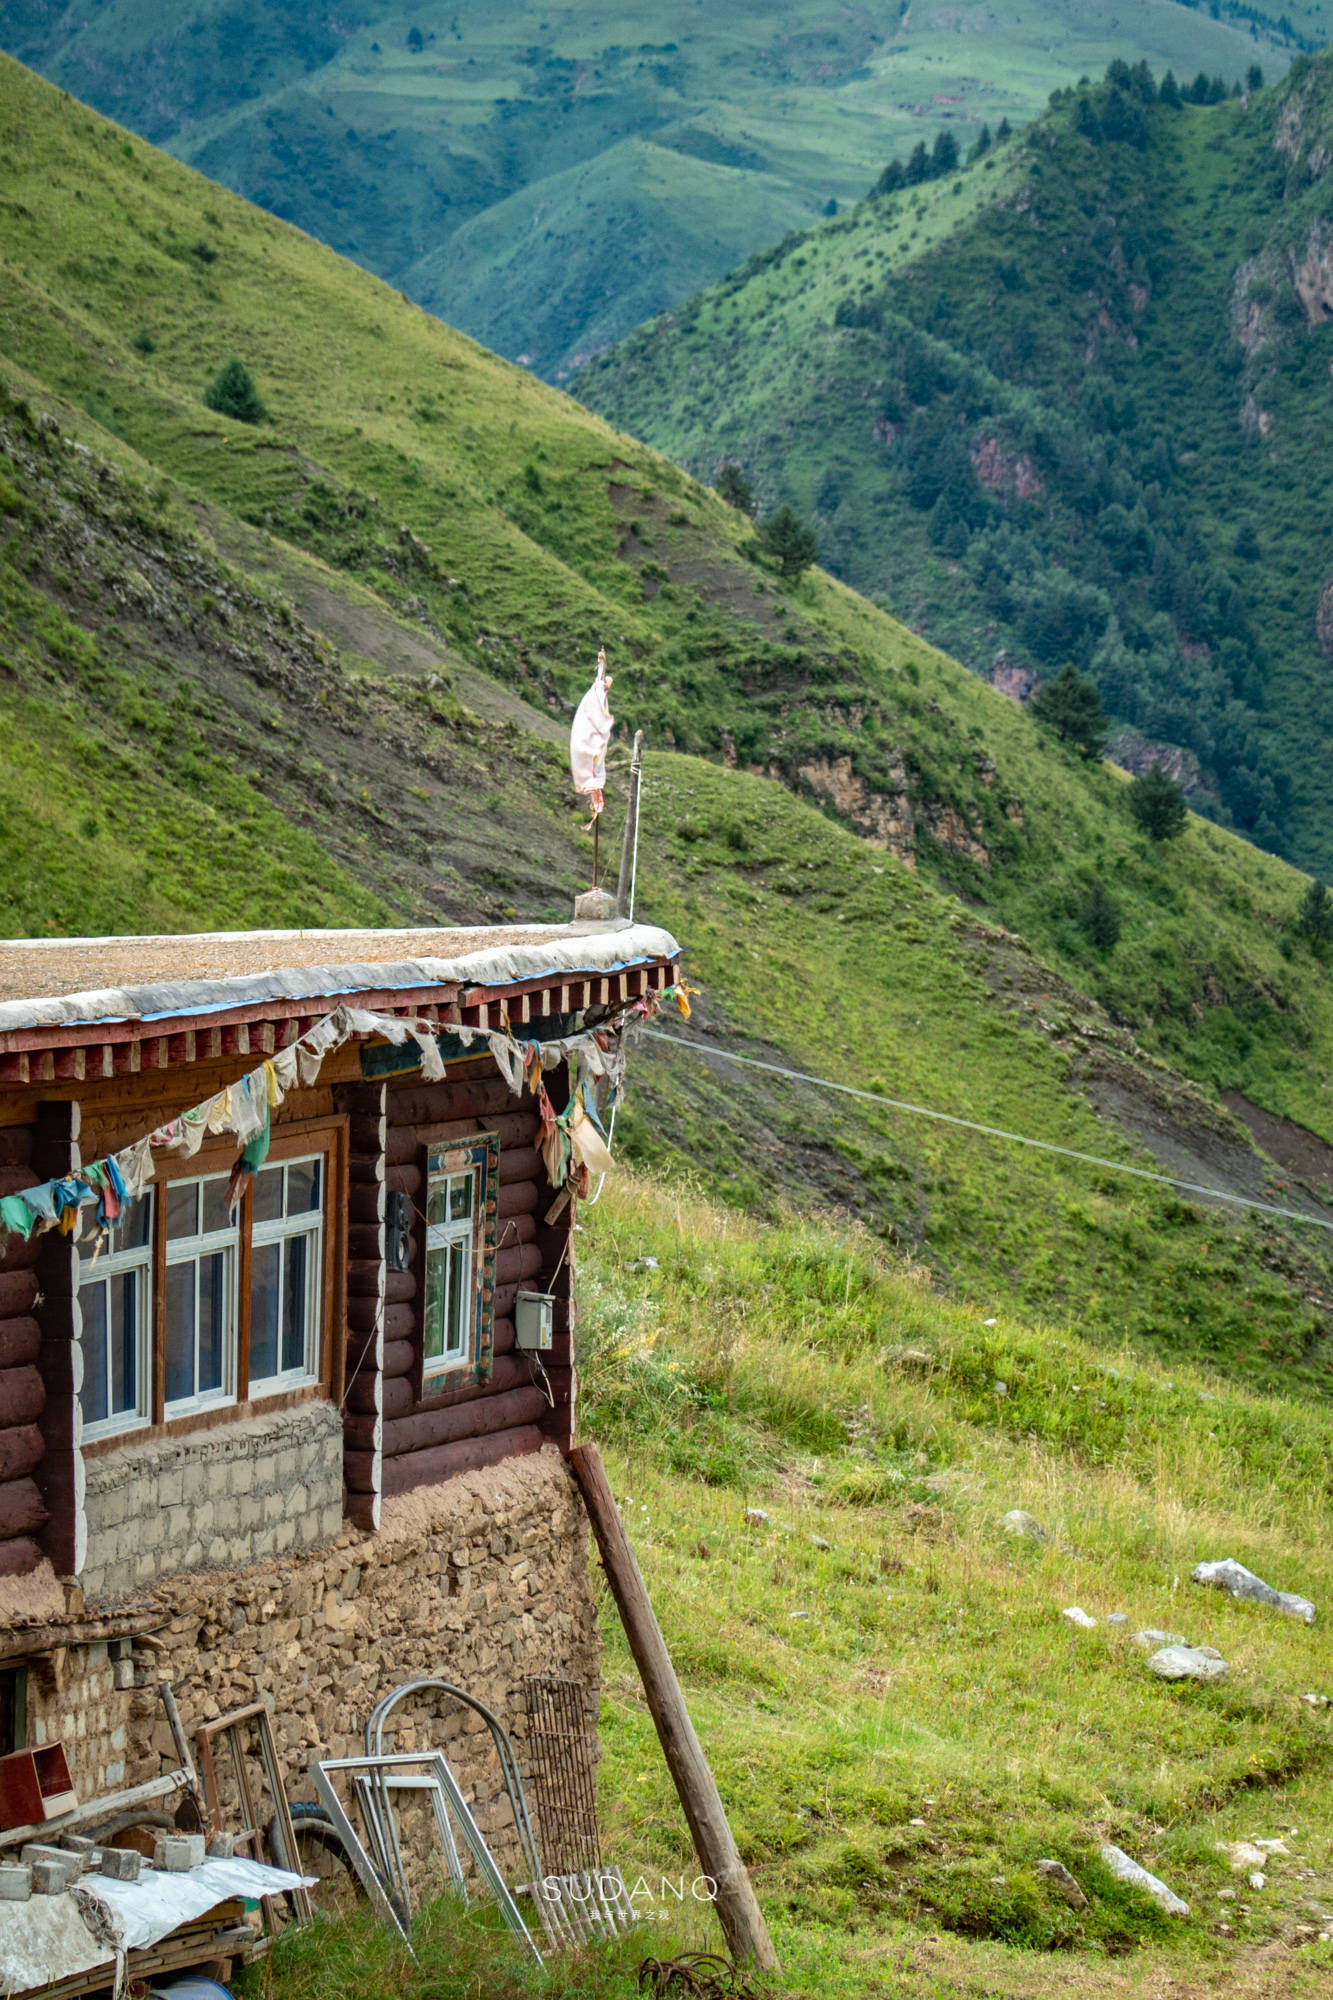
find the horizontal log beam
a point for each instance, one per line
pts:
(398, 1357)
(479, 1415)
(521, 1163)
(517, 1198)
(20, 1341)
(22, 1395)
(19, 1557)
(431, 1103)
(516, 1229)
(18, 1293)
(446, 1461)
(21, 1448)
(513, 1267)
(22, 1509)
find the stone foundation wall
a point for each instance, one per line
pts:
(480, 1580)
(262, 1486)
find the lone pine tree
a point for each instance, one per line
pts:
(1158, 804)
(789, 540)
(1070, 705)
(232, 393)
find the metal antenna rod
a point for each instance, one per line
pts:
(627, 845)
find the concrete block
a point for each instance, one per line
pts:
(178, 1853)
(122, 1864)
(52, 1878)
(15, 1882)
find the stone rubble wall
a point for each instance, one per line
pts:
(481, 1580)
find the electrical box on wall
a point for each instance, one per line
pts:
(534, 1321)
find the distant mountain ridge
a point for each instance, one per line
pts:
(1069, 404)
(545, 177)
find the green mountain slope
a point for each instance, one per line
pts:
(318, 669)
(1070, 405)
(454, 150)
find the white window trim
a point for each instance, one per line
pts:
(113, 1264)
(191, 1250)
(443, 1236)
(309, 1223)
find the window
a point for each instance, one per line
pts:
(450, 1303)
(114, 1296)
(287, 1217)
(200, 1295)
(458, 1266)
(189, 1308)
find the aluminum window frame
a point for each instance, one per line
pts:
(309, 1223)
(180, 1250)
(98, 1271)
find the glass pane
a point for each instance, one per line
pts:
(215, 1206)
(212, 1320)
(125, 1342)
(460, 1257)
(437, 1203)
(460, 1198)
(92, 1396)
(268, 1194)
(437, 1268)
(265, 1276)
(180, 1331)
(182, 1208)
(303, 1187)
(295, 1301)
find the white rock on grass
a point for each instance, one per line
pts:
(1126, 1870)
(1016, 1522)
(1076, 1615)
(1237, 1581)
(1152, 1637)
(1242, 1854)
(1189, 1663)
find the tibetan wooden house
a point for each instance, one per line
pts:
(262, 1397)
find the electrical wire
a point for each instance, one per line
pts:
(990, 1131)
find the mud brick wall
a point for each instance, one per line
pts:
(259, 1487)
(481, 1580)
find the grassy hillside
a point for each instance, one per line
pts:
(1068, 404)
(545, 176)
(318, 669)
(901, 1722)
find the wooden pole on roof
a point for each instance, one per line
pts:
(737, 1907)
(627, 845)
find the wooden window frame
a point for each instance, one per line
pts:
(480, 1151)
(295, 1140)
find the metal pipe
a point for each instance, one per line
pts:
(630, 842)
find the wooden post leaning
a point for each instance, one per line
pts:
(737, 1907)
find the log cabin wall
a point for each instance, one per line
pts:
(23, 1511)
(422, 1434)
